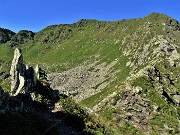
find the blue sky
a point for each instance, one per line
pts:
(37, 14)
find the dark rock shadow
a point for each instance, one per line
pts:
(21, 115)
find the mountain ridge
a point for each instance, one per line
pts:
(126, 72)
(154, 14)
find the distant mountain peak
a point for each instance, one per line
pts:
(155, 16)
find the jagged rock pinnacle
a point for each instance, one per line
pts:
(17, 72)
(22, 76)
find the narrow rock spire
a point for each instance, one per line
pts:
(23, 78)
(17, 72)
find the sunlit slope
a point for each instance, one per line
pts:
(131, 44)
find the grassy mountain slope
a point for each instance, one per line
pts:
(112, 63)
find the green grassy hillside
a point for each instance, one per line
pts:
(139, 56)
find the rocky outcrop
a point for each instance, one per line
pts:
(5, 35)
(130, 105)
(17, 72)
(134, 108)
(22, 76)
(21, 37)
(171, 52)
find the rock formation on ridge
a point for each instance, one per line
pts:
(22, 76)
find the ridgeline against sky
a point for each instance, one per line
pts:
(37, 14)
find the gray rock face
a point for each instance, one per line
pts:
(17, 72)
(22, 76)
(134, 108)
(171, 52)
